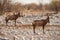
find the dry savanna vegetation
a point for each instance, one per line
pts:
(7, 6)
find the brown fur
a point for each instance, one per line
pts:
(40, 23)
(12, 17)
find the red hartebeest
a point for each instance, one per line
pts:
(13, 17)
(42, 22)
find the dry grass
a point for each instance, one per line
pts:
(27, 26)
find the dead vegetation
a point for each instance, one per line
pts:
(7, 6)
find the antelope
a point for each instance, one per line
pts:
(13, 17)
(42, 23)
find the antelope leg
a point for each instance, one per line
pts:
(43, 29)
(34, 29)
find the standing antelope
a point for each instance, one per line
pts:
(13, 17)
(42, 22)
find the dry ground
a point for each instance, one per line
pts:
(25, 32)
